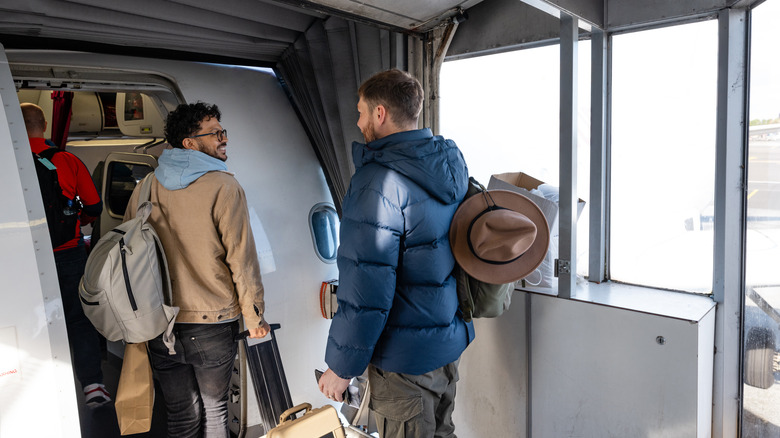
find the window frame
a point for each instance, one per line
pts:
(333, 215)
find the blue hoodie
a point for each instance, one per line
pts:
(398, 307)
(179, 167)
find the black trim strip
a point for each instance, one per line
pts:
(88, 303)
(11, 41)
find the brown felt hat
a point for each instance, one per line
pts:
(499, 236)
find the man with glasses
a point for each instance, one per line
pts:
(201, 215)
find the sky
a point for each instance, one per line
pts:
(765, 63)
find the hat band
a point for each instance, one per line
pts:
(471, 246)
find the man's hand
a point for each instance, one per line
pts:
(333, 386)
(260, 332)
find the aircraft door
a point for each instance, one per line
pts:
(37, 394)
(116, 177)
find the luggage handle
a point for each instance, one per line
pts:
(294, 410)
(245, 333)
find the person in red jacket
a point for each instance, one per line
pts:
(70, 258)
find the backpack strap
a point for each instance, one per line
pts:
(48, 153)
(45, 156)
(168, 338)
(146, 188)
(144, 210)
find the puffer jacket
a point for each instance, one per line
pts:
(200, 214)
(397, 303)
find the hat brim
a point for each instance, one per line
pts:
(504, 273)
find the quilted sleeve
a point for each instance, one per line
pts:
(371, 230)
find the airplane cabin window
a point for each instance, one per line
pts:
(663, 156)
(324, 225)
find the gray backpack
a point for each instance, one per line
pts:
(126, 289)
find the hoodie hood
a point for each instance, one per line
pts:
(178, 167)
(433, 163)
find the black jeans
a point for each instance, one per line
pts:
(83, 338)
(195, 381)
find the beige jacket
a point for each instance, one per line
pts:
(205, 232)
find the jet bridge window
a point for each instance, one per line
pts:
(516, 128)
(761, 317)
(664, 101)
(324, 225)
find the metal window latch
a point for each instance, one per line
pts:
(562, 267)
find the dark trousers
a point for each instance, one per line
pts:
(414, 406)
(195, 381)
(83, 338)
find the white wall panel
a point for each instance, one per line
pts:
(493, 390)
(601, 371)
(35, 365)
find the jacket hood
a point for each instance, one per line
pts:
(432, 162)
(178, 167)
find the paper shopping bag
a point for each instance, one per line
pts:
(135, 393)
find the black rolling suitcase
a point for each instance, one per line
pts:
(265, 367)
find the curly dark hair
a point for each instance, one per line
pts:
(185, 121)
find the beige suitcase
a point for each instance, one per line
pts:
(315, 423)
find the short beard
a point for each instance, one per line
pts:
(369, 134)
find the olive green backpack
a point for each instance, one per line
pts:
(478, 299)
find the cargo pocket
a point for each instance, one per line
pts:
(400, 417)
(399, 409)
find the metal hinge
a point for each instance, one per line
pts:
(562, 267)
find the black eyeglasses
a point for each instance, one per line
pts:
(221, 135)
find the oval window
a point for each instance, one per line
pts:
(324, 225)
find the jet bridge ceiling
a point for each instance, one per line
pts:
(256, 31)
(322, 49)
(259, 31)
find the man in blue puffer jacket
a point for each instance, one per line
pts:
(397, 304)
